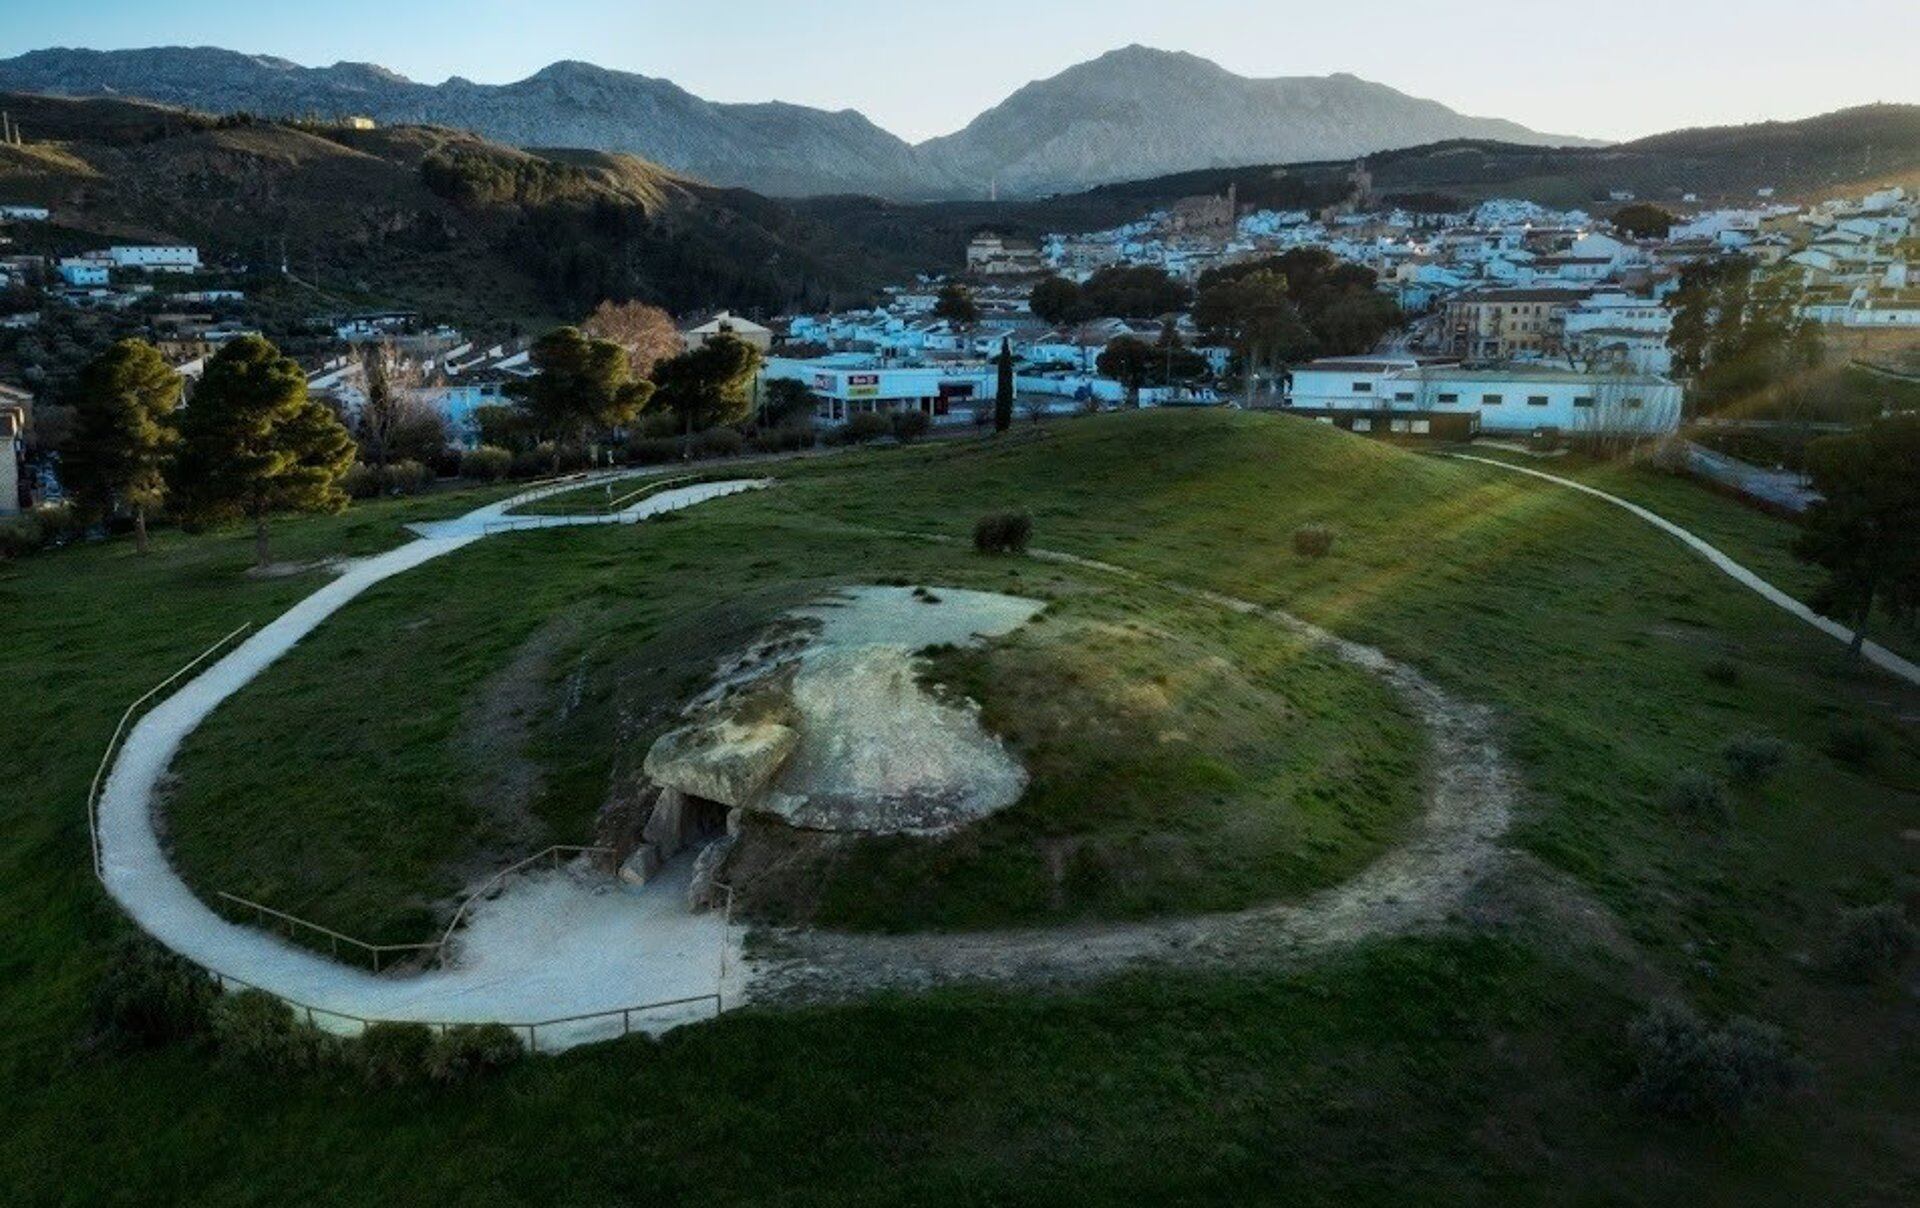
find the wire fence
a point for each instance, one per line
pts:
(291, 924)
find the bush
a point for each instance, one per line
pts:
(1724, 672)
(718, 442)
(652, 451)
(150, 997)
(861, 427)
(1872, 942)
(1694, 794)
(405, 478)
(785, 439)
(911, 425)
(1313, 541)
(256, 1028)
(41, 528)
(1854, 742)
(1003, 533)
(1685, 1069)
(488, 463)
(1753, 758)
(395, 1054)
(471, 1050)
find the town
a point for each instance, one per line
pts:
(1508, 320)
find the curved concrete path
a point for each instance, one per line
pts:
(551, 945)
(1875, 653)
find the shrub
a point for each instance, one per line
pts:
(910, 425)
(1313, 541)
(361, 481)
(865, 426)
(1003, 533)
(784, 439)
(718, 442)
(472, 1050)
(1686, 1069)
(150, 997)
(405, 478)
(1695, 794)
(256, 1028)
(1724, 672)
(1753, 758)
(1872, 942)
(488, 463)
(652, 451)
(1854, 742)
(394, 1054)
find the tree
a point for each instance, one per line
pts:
(389, 381)
(1254, 315)
(1643, 220)
(1003, 388)
(582, 385)
(1865, 531)
(1740, 340)
(252, 443)
(1129, 361)
(787, 400)
(1055, 300)
(955, 304)
(647, 333)
(708, 385)
(123, 434)
(1131, 291)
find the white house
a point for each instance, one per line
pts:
(12, 213)
(848, 385)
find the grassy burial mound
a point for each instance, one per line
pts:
(1712, 804)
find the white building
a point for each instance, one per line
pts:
(81, 273)
(848, 385)
(1508, 401)
(171, 259)
(12, 213)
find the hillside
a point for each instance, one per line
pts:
(1130, 113)
(462, 227)
(1849, 151)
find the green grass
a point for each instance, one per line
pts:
(1464, 1070)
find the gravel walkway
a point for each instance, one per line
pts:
(549, 946)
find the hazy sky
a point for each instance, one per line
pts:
(1613, 69)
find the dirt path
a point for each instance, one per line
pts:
(1874, 653)
(1419, 885)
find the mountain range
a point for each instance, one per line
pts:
(1132, 113)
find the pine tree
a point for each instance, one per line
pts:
(123, 434)
(253, 443)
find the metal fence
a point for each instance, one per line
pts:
(291, 923)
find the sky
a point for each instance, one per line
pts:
(919, 68)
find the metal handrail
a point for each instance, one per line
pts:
(459, 915)
(531, 1027)
(335, 938)
(119, 731)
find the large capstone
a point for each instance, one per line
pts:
(724, 759)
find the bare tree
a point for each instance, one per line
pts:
(646, 332)
(389, 386)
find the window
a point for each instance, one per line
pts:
(1634, 404)
(1489, 400)
(1449, 398)
(1583, 400)
(1536, 400)
(1363, 425)
(1421, 427)
(1401, 425)
(1403, 396)
(1363, 387)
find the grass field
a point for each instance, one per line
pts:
(1486, 1067)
